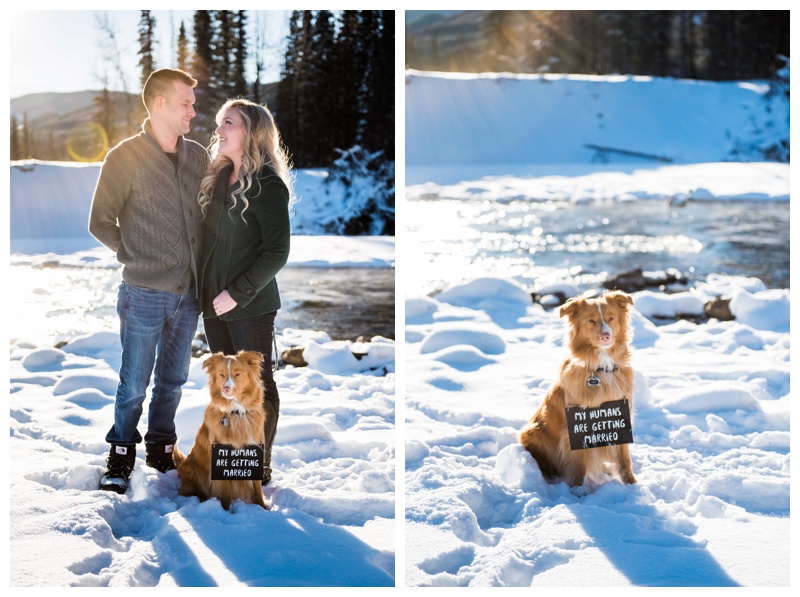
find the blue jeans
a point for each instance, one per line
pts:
(156, 329)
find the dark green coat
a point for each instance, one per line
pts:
(243, 257)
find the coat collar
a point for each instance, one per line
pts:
(221, 188)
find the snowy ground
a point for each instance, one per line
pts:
(332, 516)
(711, 447)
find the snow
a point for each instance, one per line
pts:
(712, 438)
(712, 426)
(332, 516)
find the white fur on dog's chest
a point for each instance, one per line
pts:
(606, 362)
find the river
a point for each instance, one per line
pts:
(544, 242)
(60, 302)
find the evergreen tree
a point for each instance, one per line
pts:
(203, 124)
(147, 26)
(183, 49)
(27, 138)
(16, 148)
(104, 112)
(378, 114)
(286, 112)
(322, 118)
(284, 109)
(501, 51)
(259, 49)
(238, 83)
(222, 45)
(346, 68)
(687, 41)
(50, 152)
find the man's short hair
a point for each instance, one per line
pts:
(160, 82)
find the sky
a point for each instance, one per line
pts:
(66, 45)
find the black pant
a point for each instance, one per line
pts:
(255, 334)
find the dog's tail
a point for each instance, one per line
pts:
(177, 456)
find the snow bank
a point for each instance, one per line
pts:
(550, 119)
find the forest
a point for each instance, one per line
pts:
(335, 93)
(716, 45)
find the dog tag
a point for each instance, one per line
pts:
(593, 381)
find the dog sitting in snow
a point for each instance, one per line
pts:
(597, 372)
(235, 416)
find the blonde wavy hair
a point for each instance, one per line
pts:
(262, 145)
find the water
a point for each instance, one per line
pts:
(548, 242)
(58, 303)
(346, 302)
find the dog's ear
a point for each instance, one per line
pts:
(570, 308)
(622, 299)
(251, 357)
(209, 362)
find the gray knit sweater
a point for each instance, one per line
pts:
(147, 212)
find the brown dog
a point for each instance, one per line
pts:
(598, 371)
(234, 416)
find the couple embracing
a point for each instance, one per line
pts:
(194, 234)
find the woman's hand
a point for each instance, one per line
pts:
(223, 303)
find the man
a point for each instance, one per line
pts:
(145, 209)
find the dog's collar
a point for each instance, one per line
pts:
(593, 381)
(226, 420)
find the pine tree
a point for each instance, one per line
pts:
(147, 26)
(500, 51)
(183, 49)
(238, 82)
(322, 118)
(378, 128)
(16, 148)
(286, 109)
(50, 152)
(27, 138)
(686, 50)
(104, 111)
(346, 69)
(203, 124)
(259, 49)
(221, 66)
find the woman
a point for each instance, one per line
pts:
(244, 198)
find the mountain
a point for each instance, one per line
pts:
(445, 40)
(59, 122)
(418, 19)
(38, 104)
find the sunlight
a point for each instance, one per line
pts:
(212, 564)
(44, 309)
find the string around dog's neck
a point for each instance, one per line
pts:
(226, 420)
(605, 368)
(593, 381)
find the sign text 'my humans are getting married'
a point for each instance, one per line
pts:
(606, 425)
(237, 464)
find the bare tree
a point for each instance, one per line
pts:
(112, 54)
(266, 53)
(104, 108)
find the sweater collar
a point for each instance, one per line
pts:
(147, 131)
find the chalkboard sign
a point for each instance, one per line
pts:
(606, 425)
(237, 464)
